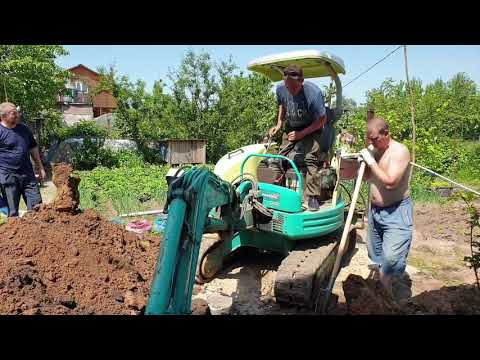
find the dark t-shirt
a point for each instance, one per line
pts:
(301, 110)
(15, 146)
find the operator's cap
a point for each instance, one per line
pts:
(293, 72)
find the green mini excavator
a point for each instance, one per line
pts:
(210, 218)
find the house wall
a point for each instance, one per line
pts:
(72, 114)
(90, 77)
(103, 103)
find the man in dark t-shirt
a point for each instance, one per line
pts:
(16, 172)
(302, 109)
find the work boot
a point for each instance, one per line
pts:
(313, 203)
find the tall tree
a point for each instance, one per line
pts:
(30, 78)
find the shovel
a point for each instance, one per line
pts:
(324, 298)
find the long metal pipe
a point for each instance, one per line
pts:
(445, 178)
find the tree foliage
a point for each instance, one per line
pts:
(447, 114)
(30, 78)
(207, 100)
(219, 103)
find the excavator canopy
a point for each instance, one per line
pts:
(313, 62)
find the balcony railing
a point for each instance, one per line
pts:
(76, 98)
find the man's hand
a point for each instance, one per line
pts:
(295, 135)
(273, 130)
(42, 175)
(367, 157)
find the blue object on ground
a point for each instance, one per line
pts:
(119, 221)
(160, 223)
(3, 206)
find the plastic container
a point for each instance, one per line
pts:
(159, 224)
(228, 167)
(219, 304)
(139, 226)
(119, 221)
(3, 206)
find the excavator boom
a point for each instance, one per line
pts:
(191, 198)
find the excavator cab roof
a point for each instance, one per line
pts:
(313, 62)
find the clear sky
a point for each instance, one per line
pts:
(153, 62)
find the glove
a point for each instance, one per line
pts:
(367, 156)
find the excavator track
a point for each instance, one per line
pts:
(306, 270)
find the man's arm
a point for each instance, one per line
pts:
(397, 166)
(367, 175)
(36, 158)
(316, 125)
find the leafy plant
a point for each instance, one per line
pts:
(128, 184)
(474, 215)
(82, 129)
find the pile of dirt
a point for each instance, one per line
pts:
(448, 300)
(368, 297)
(58, 260)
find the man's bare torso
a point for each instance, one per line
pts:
(380, 195)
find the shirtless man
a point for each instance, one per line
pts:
(390, 220)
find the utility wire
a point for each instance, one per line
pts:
(371, 67)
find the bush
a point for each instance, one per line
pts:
(92, 154)
(83, 129)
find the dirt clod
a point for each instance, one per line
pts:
(200, 307)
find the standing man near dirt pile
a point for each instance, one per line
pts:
(16, 173)
(390, 219)
(302, 107)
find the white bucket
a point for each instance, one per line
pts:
(219, 304)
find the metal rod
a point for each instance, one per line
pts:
(141, 213)
(445, 178)
(412, 111)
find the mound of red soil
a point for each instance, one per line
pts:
(57, 260)
(448, 300)
(368, 297)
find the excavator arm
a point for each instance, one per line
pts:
(191, 199)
